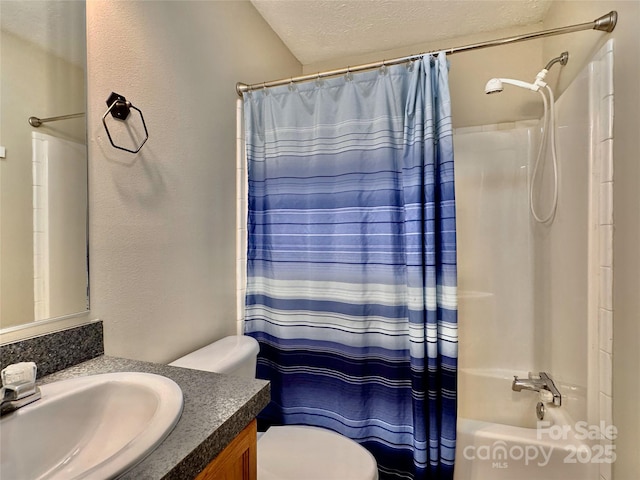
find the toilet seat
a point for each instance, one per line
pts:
(312, 453)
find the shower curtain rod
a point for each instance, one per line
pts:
(36, 122)
(605, 23)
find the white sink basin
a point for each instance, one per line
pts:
(93, 427)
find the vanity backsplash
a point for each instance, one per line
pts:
(58, 350)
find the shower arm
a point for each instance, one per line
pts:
(563, 59)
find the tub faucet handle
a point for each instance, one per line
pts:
(551, 387)
(539, 383)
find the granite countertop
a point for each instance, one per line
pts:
(216, 409)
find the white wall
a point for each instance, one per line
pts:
(162, 237)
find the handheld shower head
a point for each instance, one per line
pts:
(495, 85)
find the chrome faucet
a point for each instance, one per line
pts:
(19, 389)
(536, 384)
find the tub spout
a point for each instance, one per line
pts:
(536, 384)
(532, 384)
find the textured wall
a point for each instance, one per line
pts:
(162, 222)
(469, 72)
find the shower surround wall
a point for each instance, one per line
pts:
(574, 256)
(495, 265)
(538, 297)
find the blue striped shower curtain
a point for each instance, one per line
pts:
(351, 280)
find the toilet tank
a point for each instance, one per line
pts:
(234, 355)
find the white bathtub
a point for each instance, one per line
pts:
(498, 438)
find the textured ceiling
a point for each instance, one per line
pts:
(319, 30)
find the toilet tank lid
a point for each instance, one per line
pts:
(222, 356)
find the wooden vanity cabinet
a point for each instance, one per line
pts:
(237, 461)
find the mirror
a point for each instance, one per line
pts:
(43, 169)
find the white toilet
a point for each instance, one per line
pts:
(289, 452)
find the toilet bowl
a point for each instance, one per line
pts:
(287, 452)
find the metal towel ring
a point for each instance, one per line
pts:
(120, 107)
